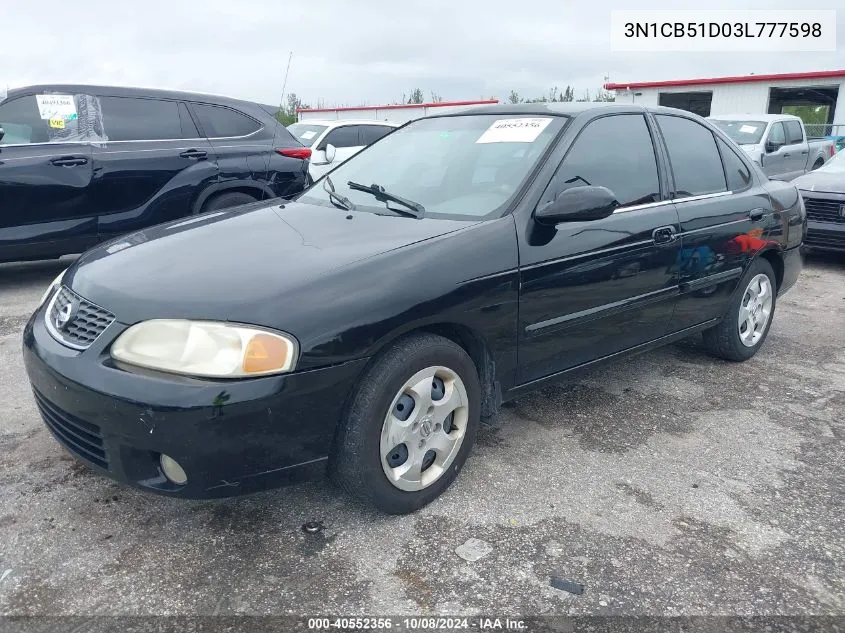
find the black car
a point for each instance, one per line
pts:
(365, 328)
(823, 191)
(82, 164)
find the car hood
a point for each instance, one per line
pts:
(827, 182)
(210, 265)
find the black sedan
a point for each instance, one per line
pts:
(366, 328)
(823, 191)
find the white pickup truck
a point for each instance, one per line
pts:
(777, 142)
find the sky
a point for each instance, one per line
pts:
(361, 52)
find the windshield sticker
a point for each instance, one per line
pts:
(56, 107)
(308, 135)
(748, 129)
(521, 130)
(58, 124)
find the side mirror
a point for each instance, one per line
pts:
(578, 204)
(772, 147)
(330, 153)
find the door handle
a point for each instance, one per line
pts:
(804, 153)
(756, 214)
(196, 154)
(664, 235)
(69, 161)
(786, 154)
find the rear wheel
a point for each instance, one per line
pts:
(746, 325)
(818, 163)
(410, 426)
(226, 200)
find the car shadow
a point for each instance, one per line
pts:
(23, 274)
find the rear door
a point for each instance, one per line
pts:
(45, 178)
(591, 289)
(242, 145)
(723, 211)
(152, 167)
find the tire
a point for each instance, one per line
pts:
(361, 457)
(227, 200)
(726, 339)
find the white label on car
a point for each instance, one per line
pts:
(308, 135)
(56, 107)
(748, 129)
(522, 130)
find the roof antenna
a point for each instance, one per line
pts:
(276, 116)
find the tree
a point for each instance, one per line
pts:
(586, 97)
(416, 96)
(568, 94)
(436, 98)
(604, 95)
(514, 97)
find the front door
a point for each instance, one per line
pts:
(153, 166)
(775, 163)
(590, 289)
(347, 142)
(45, 178)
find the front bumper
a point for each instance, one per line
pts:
(231, 437)
(828, 236)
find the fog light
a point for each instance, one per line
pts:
(172, 470)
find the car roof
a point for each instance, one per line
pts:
(754, 117)
(337, 122)
(566, 108)
(127, 91)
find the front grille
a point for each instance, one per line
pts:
(79, 437)
(820, 210)
(83, 321)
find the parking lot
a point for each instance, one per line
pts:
(669, 483)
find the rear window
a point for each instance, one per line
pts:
(305, 133)
(222, 122)
(742, 132)
(696, 163)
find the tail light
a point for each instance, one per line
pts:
(832, 149)
(303, 153)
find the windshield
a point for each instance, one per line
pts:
(461, 167)
(305, 133)
(742, 132)
(835, 164)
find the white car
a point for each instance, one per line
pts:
(333, 142)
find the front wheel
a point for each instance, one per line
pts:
(746, 324)
(410, 425)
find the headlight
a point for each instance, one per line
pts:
(205, 348)
(52, 287)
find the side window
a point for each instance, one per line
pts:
(346, 136)
(738, 174)
(222, 122)
(189, 128)
(777, 135)
(131, 119)
(696, 164)
(371, 133)
(614, 152)
(793, 132)
(21, 122)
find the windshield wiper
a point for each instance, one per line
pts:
(335, 198)
(417, 210)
